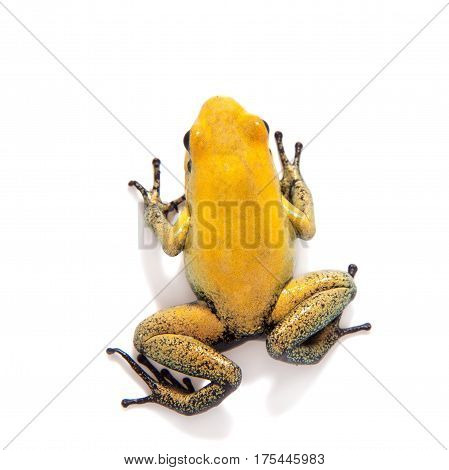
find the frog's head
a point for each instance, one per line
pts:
(224, 128)
(228, 155)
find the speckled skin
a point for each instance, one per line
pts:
(242, 291)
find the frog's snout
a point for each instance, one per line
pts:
(220, 106)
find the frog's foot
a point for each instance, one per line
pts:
(189, 356)
(153, 196)
(334, 331)
(163, 377)
(334, 326)
(312, 350)
(308, 313)
(152, 384)
(291, 172)
(284, 160)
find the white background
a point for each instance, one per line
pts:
(72, 275)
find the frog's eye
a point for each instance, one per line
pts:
(187, 141)
(267, 126)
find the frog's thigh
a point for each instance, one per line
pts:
(306, 306)
(194, 319)
(180, 338)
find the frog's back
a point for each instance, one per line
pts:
(239, 249)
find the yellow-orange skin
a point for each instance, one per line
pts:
(231, 162)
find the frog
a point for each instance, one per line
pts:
(245, 289)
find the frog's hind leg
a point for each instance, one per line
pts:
(182, 339)
(307, 316)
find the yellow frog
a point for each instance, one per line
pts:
(237, 230)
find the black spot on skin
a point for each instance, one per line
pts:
(267, 126)
(189, 166)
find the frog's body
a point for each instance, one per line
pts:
(237, 168)
(237, 231)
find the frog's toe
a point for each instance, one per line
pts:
(187, 387)
(140, 188)
(352, 270)
(354, 329)
(289, 167)
(298, 150)
(152, 384)
(138, 401)
(165, 377)
(278, 138)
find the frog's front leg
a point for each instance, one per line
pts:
(172, 237)
(307, 315)
(297, 199)
(182, 339)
